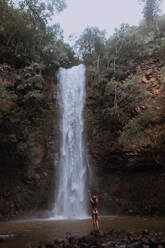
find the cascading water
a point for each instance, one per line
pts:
(70, 201)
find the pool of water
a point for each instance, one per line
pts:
(40, 230)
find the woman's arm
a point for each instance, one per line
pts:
(89, 193)
(90, 196)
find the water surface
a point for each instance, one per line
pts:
(43, 230)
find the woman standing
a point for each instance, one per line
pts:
(94, 201)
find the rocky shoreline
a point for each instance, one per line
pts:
(113, 238)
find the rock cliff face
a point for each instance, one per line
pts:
(103, 132)
(127, 180)
(28, 114)
(29, 142)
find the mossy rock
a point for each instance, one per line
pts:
(20, 88)
(35, 82)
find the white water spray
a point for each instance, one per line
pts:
(70, 201)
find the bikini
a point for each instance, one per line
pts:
(94, 209)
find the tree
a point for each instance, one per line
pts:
(151, 10)
(123, 102)
(42, 10)
(26, 37)
(121, 49)
(91, 45)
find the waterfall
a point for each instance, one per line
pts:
(70, 200)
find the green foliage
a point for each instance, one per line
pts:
(7, 99)
(118, 56)
(122, 49)
(59, 54)
(30, 88)
(22, 118)
(133, 131)
(151, 10)
(41, 10)
(92, 39)
(24, 36)
(3, 91)
(161, 24)
(146, 130)
(123, 101)
(91, 45)
(119, 100)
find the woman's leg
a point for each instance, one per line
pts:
(97, 223)
(97, 220)
(93, 220)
